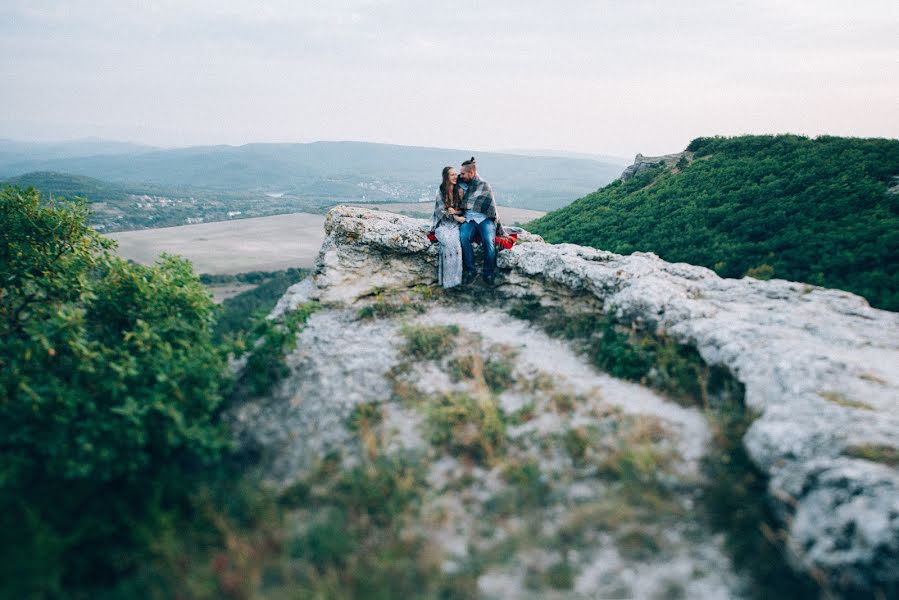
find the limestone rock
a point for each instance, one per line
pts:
(820, 366)
(642, 163)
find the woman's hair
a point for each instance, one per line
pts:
(448, 190)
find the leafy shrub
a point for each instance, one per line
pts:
(110, 385)
(266, 364)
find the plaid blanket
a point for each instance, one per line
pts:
(479, 197)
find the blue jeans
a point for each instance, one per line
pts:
(487, 229)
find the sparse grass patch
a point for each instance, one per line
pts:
(463, 425)
(564, 402)
(364, 418)
(879, 453)
(522, 415)
(530, 488)
(638, 459)
(576, 441)
(626, 352)
(609, 514)
(498, 374)
(424, 342)
(403, 391)
(840, 399)
(528, 309)
(560, 576)
(382, 489)
(390, 303)
(365, 414)
(868, 376)
(462, 368)
(541, 382)
(637, 544)
(735, 499)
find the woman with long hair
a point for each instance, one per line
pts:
(448, 211)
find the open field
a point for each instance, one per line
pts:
(507, 214)
(259, 244)
(223, 291)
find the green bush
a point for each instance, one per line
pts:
(272, 340)
(110, 383)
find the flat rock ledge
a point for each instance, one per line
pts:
(820, 367)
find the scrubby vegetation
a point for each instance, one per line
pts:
(813, 210)
(240, 311)
(269, 342)
(110, 383)
(116, 477)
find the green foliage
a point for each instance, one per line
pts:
(238, 312)
(382, 490)
(637, 544)
(110, 384)
(425, 342)
(275, 338)
(576, 441)
(498, 374)
(735, 502)
(656, 360)
(529, 485)
(813, 210)
(560, 576)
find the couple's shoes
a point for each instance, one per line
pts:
(469, 277)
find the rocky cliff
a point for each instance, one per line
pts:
(642, 163)
(554, 477)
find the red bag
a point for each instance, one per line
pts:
(504, 242)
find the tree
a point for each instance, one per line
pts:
(110, 384)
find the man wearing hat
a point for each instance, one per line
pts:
(480, 217)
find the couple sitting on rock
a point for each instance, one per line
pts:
(463, 212)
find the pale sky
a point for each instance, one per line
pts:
(610, 77)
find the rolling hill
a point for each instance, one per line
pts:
(327, 171)
(824, 211)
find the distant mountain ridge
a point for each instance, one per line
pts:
(90, 146)
(337, 171)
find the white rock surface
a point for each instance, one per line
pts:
(820, 366)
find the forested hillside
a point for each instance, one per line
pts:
(817, 210)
